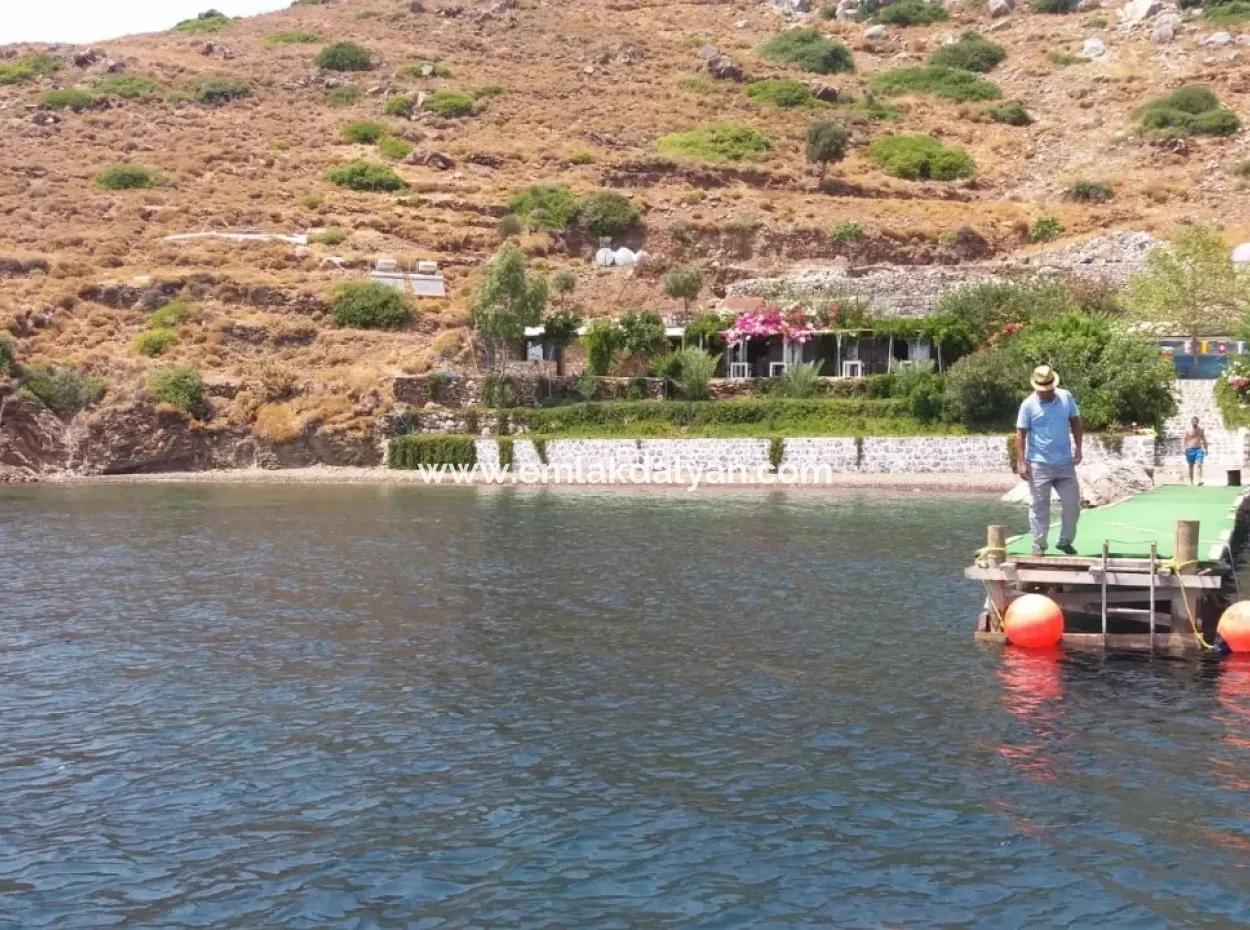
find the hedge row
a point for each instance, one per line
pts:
(417, 451)
(771, 414)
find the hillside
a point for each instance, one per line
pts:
(574, 94)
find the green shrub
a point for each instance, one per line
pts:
(1084, 191)
(345, 56)
(606, 213)
(127, 177)
(426, 69)
(490, 90)
(179, 386)
(498, 391)
(416, 451)
(216, 91)
(1064, 59)
(916, 157)
(8, 352)
(293, 37)
(344, 95)
(546, 206)
(581, 157)
(971, 52)
(450, 103)
(332, 236)
(21, 70)
(1229, 13)
(1045, 228)
(947, 83)
(694, 371)
(780, 93)
(1055, 6)
(1188, 111)
(509, 225)
(171, 314)
(367, 176)
(128, 86)
(1013, 114)
(642, 332)
(721, 142)
(800, 381)
(399, 105)
(911, 13)
(602, 340)
(69, 99)
(846, 232)
(208, 21)
(393, 148)
(365, 133)
(809, 50)
(367, 305)
(154, 342)
(984, 389)
(60, 388)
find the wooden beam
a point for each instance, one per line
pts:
(1090, 577)
(1125, 642)
(1185, 601)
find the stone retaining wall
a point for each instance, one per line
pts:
(841, 455)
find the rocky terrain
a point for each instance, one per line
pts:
(568, 93)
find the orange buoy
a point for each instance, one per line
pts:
(1234, 626)
(1034, 621)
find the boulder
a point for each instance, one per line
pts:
(1000, 8)
(1166, 28)
(1093, 48)
(1217, 40)
(847, 10)
(1138, 11)
(1102, 483)
(1084, 6)
(879, 31)
(822, 91)
(86, 58)
(708, 52)
(724, 68)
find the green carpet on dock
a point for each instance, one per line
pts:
(1132, 524)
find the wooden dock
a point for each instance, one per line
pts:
(1151, 573)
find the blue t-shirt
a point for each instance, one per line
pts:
(1047, 423)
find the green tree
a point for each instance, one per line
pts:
(642, 332)
(506, 301)
(684, 284)
(1191, 284)
(560, 331)
(826, 142)
(602, 340)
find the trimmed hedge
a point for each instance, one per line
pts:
(665, 417)
(413, 451)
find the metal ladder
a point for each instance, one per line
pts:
(1129, 611)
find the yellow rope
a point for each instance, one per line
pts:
(1193, 622)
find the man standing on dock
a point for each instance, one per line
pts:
(1048, 457)
(1195, 443)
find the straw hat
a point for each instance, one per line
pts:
(1044, 378)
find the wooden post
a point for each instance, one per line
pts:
(1185, 601)
(996, 554)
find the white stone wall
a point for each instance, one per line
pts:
(924, 454)
(840, 455)
(708, 453)
(487, 452)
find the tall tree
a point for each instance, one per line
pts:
(506, 301)
(1193, 285)
(684, 284)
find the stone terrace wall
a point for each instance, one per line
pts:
(842, 455)
(469, 390)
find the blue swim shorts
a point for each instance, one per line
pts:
(1195, 455)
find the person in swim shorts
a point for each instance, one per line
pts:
(1195, 443)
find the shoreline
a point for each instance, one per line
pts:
(977, 483)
